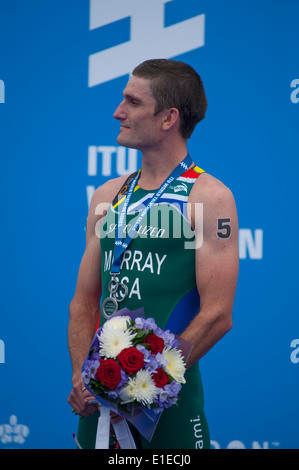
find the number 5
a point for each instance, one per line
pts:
(224, 225)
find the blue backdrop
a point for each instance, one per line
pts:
(63, 66)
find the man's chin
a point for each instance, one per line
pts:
(126, 143)
(121, 141)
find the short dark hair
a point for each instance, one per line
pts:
(176, 84)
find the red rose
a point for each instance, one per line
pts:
(160, 378)
(156, 343)
(131, 360)
(109, 373)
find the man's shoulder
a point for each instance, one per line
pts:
(100, 202)
(218, 204)
(108, 190)
(208, 189)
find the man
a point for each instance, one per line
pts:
(187, 287)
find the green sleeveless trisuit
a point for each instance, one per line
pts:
(158, 268)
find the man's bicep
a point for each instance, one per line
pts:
(216, 276)
(89, 276)
(217, 260)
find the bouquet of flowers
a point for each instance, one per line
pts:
(134, 366)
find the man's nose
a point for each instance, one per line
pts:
(120, 113)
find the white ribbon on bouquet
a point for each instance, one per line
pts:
(122, 431)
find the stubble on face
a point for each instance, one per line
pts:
(138, 122)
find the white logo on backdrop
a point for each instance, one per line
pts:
(295, 94)
(13, 433)
(107, 160)
(149, 38)
(2, 92)
(295, 353)
(2, 352)
(124, 159)
(250, 244)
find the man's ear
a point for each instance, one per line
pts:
(171, 119)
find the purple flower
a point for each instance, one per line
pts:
(112, 395)
(152, 365)
(174, 388)
(150, 362)
(85, 377)
(167, 396)
(168, 337)
(146, 353)
(162, 362)
(90, 369)
(93, 352)
(123, 380)
(145, 324)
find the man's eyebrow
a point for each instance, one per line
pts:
(131, 97)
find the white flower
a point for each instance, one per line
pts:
(127, 393)
(113, 340)
(142, 388)
(146, 389)
(176, 366)
(118, 322)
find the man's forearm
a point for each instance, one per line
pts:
(204, 332)
(81, 330)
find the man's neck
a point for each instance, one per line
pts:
(157, 166)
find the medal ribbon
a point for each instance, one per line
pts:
(121, 245)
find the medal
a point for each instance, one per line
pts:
(117, 290)
(109, 307)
